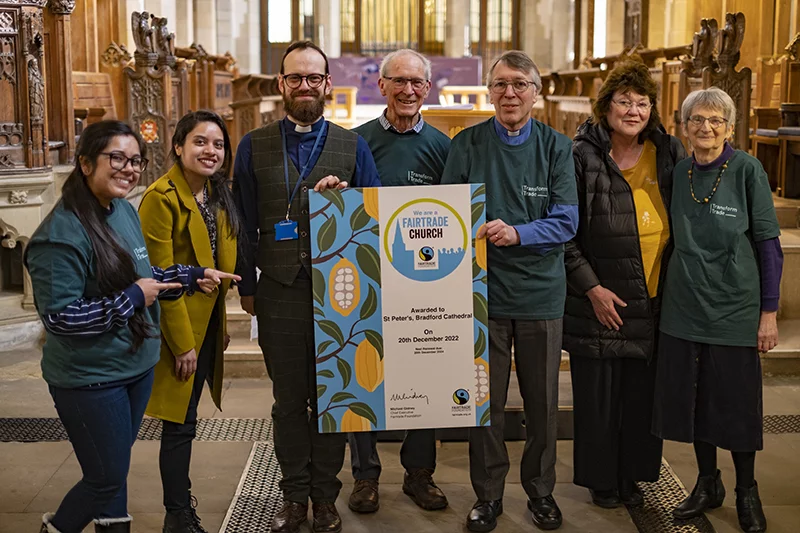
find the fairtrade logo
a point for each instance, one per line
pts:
(461, 396)
(426, 253)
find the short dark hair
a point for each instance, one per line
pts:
(304, 45)
(627, 76)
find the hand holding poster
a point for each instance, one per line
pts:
(400, 308)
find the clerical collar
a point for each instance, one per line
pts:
(291, 126)
(513, 137)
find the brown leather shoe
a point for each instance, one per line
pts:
(423, 491)
(364, 498)
(289, 519)
(326, 518)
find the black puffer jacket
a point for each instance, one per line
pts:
(606, 249)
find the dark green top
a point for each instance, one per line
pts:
(712, 289)
(522, 181)
(408, 158)
(61, 262)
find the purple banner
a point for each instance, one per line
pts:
(362, 72)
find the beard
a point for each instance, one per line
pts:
(306, 112)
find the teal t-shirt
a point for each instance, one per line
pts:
(61, 263)
(712, 292)
(408, 158)
(522, 181)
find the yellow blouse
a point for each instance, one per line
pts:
(651, 215)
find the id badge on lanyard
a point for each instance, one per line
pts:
(286, 230)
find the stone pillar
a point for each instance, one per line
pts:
(656, 35)
(247, 41)
(225, 29)
(680, 24)
(205, 24)
(615, 27)
(456, 40)
(61, 119)
(184, 23)
(329, 26)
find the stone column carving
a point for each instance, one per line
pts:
(33, 81)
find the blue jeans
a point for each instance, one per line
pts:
(102, 423)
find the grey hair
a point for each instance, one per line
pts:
(426, 64)
(712, 98)
(518, 61)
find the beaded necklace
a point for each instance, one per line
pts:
(716, 184)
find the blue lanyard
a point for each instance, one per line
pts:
(304, 172)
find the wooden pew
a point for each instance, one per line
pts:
(256, 101)
(452, 121)
(477, 95)
(342, 99)
(93, 99)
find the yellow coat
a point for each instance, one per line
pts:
(175, 233)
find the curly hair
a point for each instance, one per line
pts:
(628, 76)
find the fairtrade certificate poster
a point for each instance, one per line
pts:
(400, 310)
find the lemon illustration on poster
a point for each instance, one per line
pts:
(400, 309)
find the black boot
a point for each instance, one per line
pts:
(184, 520)
(748, 508)
(708, 493)
(122, 526)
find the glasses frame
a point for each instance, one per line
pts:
(628, 105)
(305, 78)
(691, 120)
(494, 86)
(396, 82)
(111, 155)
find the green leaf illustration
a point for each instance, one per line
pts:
(319, 312)
(335, 197)
(359, 218)
(376, 229)
(485, 280)
(477, 211)
(369, 262)
(328, 423)
(485, 418)
(331, 329)
(322, 347)
(342, 396)
(364, 410)
(476, 269)
(327, 234)
(318, 281)
(345, 371)
(480, 308)
(480, 344)
(375, 340)
(370, 304)
(480, 190)
(325, 373)
(321, 390)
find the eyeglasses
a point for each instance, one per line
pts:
(293, 81)
(714, 122)
(519, 86)
(399, 82)
(641, 107)
(119, 161)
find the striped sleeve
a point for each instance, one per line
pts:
(187, 276)
(88, 317)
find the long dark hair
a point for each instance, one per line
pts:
(221, 196)
(114, 266)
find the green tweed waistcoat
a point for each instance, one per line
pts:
(282, 260)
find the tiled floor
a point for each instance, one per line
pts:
(34, 476)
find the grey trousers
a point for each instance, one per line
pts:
(537, 351)
(418, 452)
(310, 461)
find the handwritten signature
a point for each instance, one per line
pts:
(412, 395)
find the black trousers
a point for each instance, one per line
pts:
(417, 452)
(613, 406)
(176, 439)
(310, 461)
(537, 353)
